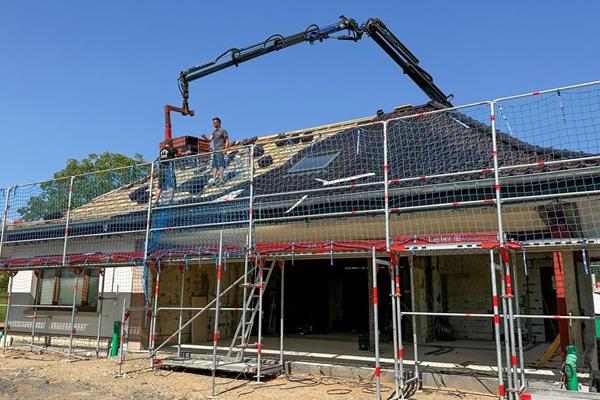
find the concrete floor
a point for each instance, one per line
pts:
(460, 357)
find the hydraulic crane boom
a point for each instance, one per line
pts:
(374, 28)
(377, 30)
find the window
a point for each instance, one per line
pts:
(314, 162)
(56, 288)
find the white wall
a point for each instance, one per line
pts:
(23, 283)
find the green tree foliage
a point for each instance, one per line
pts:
(3, 284)
(94, 175)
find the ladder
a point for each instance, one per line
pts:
(253, 306)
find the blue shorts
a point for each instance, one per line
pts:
(218, 160)
(166, 175)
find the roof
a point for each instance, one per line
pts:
(434, 156)
(192, 180)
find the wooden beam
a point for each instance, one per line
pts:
(549, 353)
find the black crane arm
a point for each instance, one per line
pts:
(374, 28)
(377, 31)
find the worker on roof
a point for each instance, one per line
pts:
(166, 169)
(168, 151)
(220, 139)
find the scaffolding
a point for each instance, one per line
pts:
(502, 178)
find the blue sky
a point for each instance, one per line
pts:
(79, 77)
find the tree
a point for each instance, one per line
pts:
(95, 175)
(3, 284)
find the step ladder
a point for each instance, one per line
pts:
(253, 305)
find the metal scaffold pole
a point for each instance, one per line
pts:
(411, 268)
(181, 293)
(386, 186)
(508, 326)
(261, 288)
(496, 173)
(147, 239)
(396, 299)
(244, 303)
(8, 303)
(64, 263)
(376, 328)
(154, 315)
(507, 350)
(247, 254)
(394, 329)
(148, 213)
(496, 326)
(281, 314)
(73, 309)
(34, 316)
(511, 324)
(33, 323)
(394, 278)
(217, 306)
(519, 330)
(100, 310)
(68, 221)
(122, 338)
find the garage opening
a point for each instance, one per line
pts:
(328, 301)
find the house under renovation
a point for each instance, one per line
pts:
(433, 233)
(430, 240)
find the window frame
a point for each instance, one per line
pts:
(84, 283)
(334, 155)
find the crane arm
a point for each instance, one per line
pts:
(374, 28)
(409, 63)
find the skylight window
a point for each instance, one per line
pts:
(314, 162)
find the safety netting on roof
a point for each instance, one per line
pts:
(321, 189)
(198, 198)
(441, 182)
(35, 221)
(88, 218)
(549, 153)
(522, 169)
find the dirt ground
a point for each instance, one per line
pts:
(27, 375)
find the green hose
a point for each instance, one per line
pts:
(571, 368)
(114, 349)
